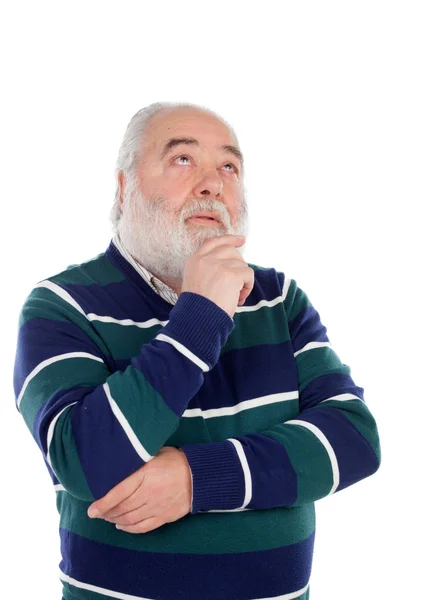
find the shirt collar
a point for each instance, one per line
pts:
(156, 284)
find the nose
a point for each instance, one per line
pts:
(210, 186)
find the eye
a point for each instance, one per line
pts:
(182, 156)
(233, 166)
(227, 164)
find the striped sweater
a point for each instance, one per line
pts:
(107, 372)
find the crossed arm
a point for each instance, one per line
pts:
(332, 444)
(65, 393)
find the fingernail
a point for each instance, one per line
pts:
(93, 513)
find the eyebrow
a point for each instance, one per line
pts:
(177, 141)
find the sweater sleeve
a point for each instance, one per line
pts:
(96, 425)
(332, 444)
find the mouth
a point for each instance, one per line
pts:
(206, 219)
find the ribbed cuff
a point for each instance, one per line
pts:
(200, 325)
(217, 476)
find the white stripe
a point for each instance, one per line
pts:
(246, 470)
(311, 346)
(145, 456)
(332, 456)
(228, 510)
(342, 398)
(56, 289)
(141, 324)
(59, 488)
(286, 287)
(183, 350)
(290, 596)
(260, 304)
(122, 596)
(50, 361)
(105, 319)
(53, 287)
(50, 433)
(99, 590)
(245, 405)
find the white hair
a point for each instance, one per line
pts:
(128, 154)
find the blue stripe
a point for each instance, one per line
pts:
(307, 327)
(274, 363)
(255, 371)
(325, 386)
(355, 456)
(107, 300)
(52, 407)
(273, 476)
(155, 361)
(280, 277)
(40, 339)
(187, 576)
(106, 454)
(266, 286)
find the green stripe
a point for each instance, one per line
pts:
(309, 458)
(69, 593)
(62, 375)
(97, 270)
(295, 301)
(144, 408)
(318, 362)
(65, 460)
(125, 341)
(223, 533)
(252, 420)
(264, 326)
(258, 267)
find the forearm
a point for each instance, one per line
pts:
(96, 428)
(323, 451)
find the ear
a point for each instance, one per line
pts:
(121, 178)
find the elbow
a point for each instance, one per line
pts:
(374, 441)
(369, 447)
(372, 458)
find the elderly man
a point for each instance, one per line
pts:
(189, 406)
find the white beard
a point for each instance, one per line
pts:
(161, 240)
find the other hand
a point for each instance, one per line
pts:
(160, 492)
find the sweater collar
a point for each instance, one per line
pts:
(126, 260)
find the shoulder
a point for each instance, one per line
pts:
(273, 284)
(64, 288)
(269, 283)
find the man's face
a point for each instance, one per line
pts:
(175, 181)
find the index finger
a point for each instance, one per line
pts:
(214, 242)
(117, 494)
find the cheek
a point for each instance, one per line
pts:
(172, 184)
(235, 205)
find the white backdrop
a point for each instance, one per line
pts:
(328, 101)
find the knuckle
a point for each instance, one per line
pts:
(127, 520)
(122, 507)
